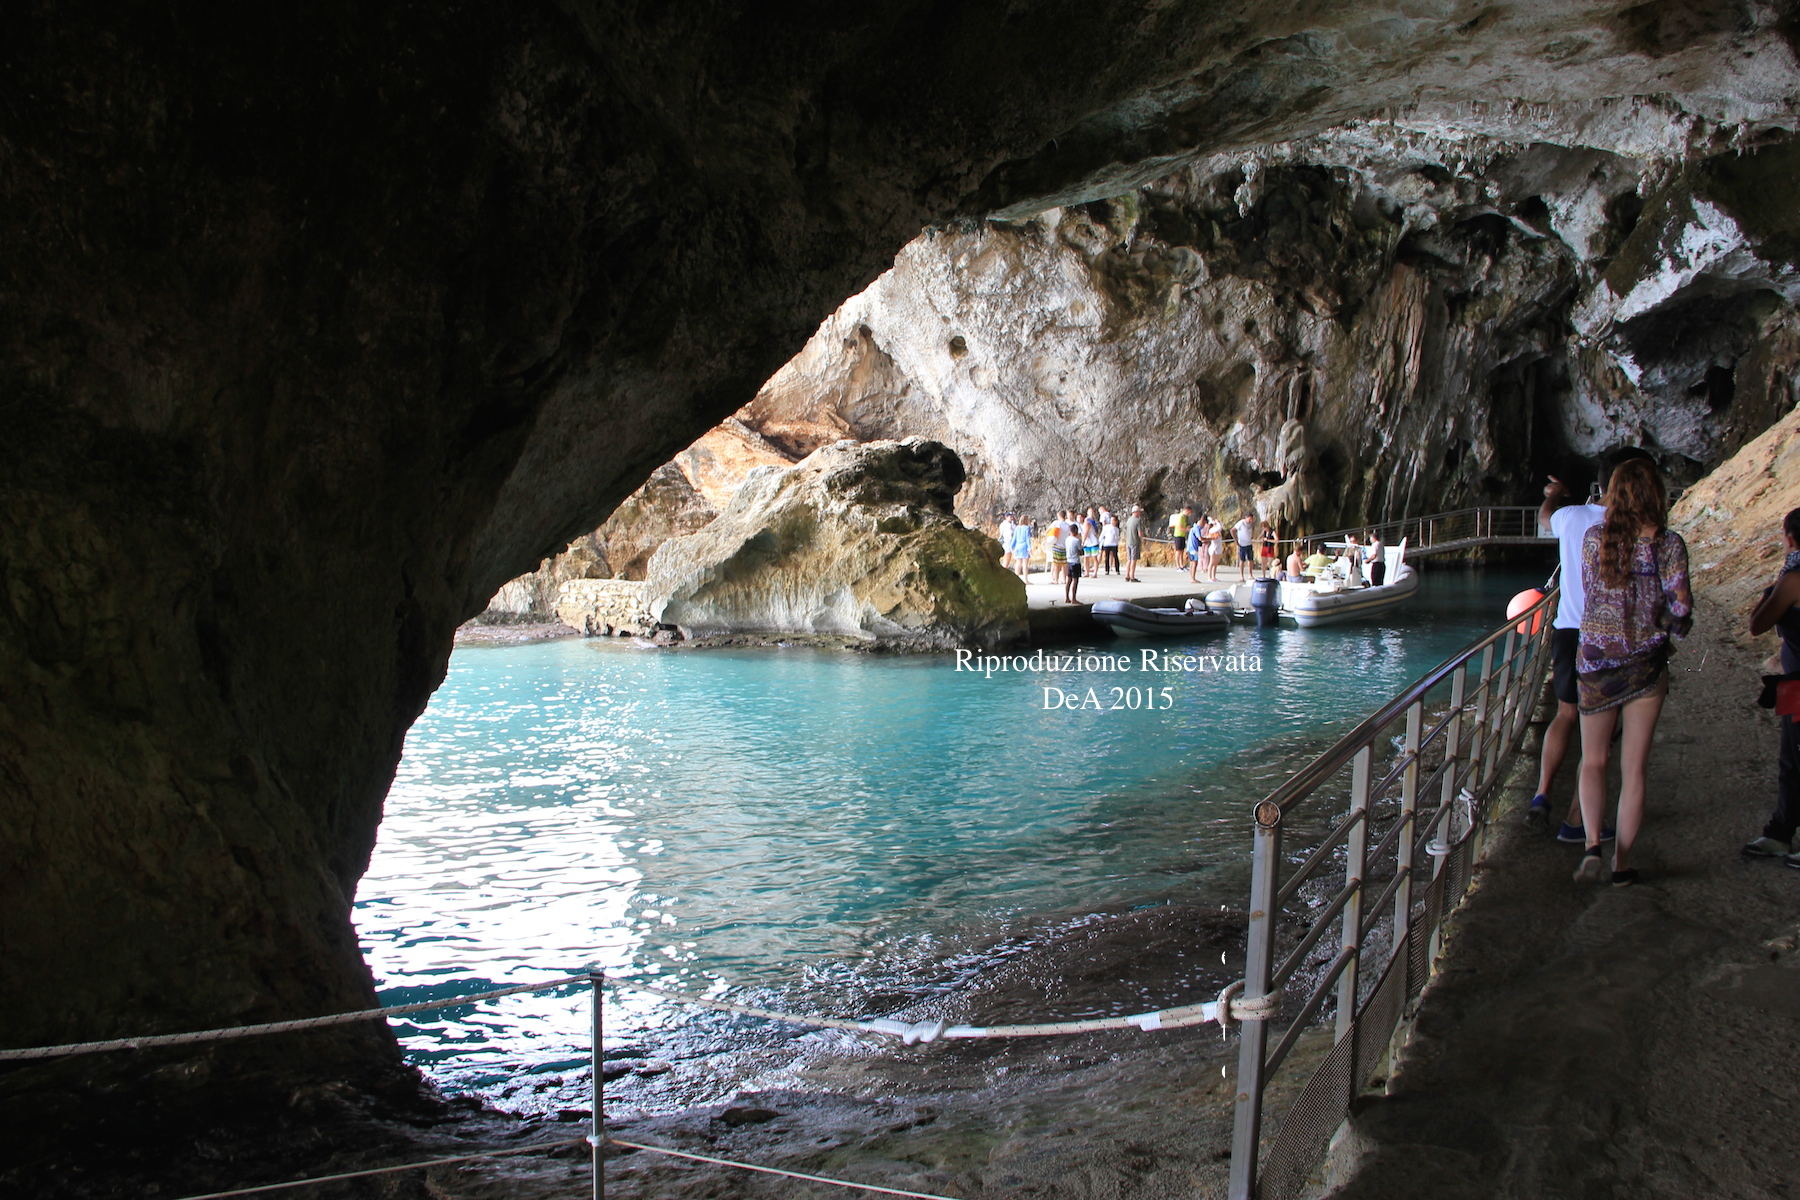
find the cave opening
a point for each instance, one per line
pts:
(323, 332)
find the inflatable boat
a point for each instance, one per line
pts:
(1130, 620)
(1329, 601)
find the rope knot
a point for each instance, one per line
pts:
(1233, 1007)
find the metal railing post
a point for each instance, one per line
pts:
(1452, 753)
(1502, 709)
(1253, 1036)
(597, 1138)
(1409, 813)
(1356, 864)
(1482, 704)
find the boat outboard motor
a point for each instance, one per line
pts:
(1219, 602)
(1265, 599)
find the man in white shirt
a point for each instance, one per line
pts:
(1007, 529)
(1109, 543)
(1568, 523)
(1245, 531)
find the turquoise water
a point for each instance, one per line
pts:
(823, 825)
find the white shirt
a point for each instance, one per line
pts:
(1006, 534)
(1570, 524)
(1109, 532)
(1072, 544)
(1245, 530)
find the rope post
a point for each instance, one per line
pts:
(598, 1137)
(1253, 1036)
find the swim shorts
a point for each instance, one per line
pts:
(1563, 644)
(1075, 568)
(1243, 554)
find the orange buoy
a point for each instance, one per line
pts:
(1523, 601)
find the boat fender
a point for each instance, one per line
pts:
(1523, 601)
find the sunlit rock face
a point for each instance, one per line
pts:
(318, 327)
(679, 498)
(1329, 332)
(857, 540)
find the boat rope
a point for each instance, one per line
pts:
(726, 1162)
(417, 1166)
(243, 1031)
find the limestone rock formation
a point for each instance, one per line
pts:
(1732, 520)
(857, 540)
(1327, 332)
(603, 607)
(680, 497)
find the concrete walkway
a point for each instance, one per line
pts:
(1157, 587)
(1585, 1041)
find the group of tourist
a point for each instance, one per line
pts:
(1625, 604)
(1074, 545)
(1364, 563)
(1201, 544)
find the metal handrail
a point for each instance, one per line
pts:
(1441, 808)
(1329, 763)
(1426, 526)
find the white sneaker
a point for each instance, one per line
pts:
(1768, 847)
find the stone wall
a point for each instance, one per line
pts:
(603, 607)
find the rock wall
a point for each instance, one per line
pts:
(319, 325)
(603, 607)
(1330, 332)
(1732, 522)
(855, 541)
(679, 498)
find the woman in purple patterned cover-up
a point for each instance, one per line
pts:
(1635, 573)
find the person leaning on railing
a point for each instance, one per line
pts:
(1635, 574)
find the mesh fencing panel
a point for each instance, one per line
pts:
(1306, 1130)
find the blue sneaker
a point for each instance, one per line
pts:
(1575, 835)
(1537, 817)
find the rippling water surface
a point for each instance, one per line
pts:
(846, 822)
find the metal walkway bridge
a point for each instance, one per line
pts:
(1448, 532)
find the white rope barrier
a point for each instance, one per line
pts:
(243, 1031)
(725, 1162)
(910, 1032)
(1186, 1016)
(417, 1166)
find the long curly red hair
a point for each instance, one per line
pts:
(1635, 499)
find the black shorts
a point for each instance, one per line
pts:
(1074, 568)
(1563, 644)
(1243, 554)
